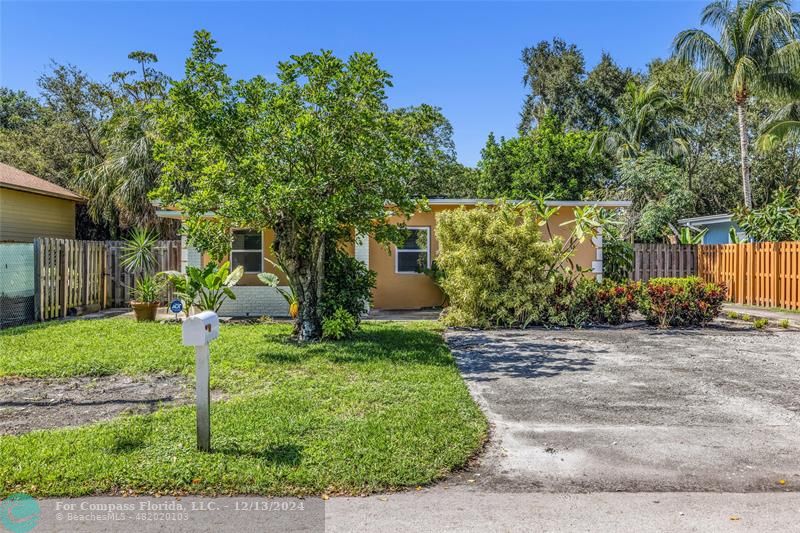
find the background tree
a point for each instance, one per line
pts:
(119, 182)
(757, 53)
(317, 156)
(547, 160)
(647, 120)
(553, 73)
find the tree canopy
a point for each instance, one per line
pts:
(318, 156)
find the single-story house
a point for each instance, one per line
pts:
(32, 207)
(718, 227)
(399, 282)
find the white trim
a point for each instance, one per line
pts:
(260, 251)
(427, 252)
(709, 219)
(564, 203)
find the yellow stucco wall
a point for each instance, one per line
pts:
(415, 291)
(25, 216)
(267, 237)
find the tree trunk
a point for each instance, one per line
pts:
(741, 107)
(302, 259)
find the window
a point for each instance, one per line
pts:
(246, 250)
(414, 254)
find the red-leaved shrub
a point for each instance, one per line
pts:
(681, 301)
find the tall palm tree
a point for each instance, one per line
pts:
(646, 122)
(757, 52)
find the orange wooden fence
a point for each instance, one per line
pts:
(764, 274)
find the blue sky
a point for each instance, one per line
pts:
(460, 56)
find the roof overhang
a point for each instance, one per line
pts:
(176, 214)
(71, 197)
(562, 203)
(709, 219)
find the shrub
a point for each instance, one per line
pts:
(348, 285)
(339, 325)
(613, 303)
(681, 301)
(746, 317)
(617, 255)
(733, 315)
(760, 323)
(784, 324)
(499, 270)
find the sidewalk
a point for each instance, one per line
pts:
(774, 315)
(434, 509)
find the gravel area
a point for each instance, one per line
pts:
(635, 409)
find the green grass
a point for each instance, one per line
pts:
(384, 410)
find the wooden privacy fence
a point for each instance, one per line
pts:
(763, 274)
(75, 277)
(663, 261)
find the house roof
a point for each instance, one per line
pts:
(173, 213)
(563, 203)
(14, 178)
(708, 219)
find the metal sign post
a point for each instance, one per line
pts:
(198, 331)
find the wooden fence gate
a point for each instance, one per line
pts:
(663, 261)
(76, 277)
(763, 274)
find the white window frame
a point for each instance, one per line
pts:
(260, 251)
(397, 251)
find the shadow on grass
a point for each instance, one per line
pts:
(281, 454)
(132, 438)
(398, 345)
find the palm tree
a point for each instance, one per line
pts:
(757, 52)
(119, 184)
(783, 124)
(646, 121)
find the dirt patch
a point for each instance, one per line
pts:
(29, 404)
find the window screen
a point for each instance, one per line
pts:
(412, 255)
(246, 250)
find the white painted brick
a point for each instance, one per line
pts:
(255, 301)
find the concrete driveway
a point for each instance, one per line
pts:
(635, 409)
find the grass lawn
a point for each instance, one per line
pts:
(384, 410)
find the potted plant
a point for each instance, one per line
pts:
(146, 298)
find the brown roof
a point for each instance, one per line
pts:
(14, 178)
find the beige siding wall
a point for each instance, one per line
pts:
(25, 216)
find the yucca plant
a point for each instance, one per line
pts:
(138, 251)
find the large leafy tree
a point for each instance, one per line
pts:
(756, 53)
(547, 160)
(317, 156)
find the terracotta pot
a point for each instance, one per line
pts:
(145, 311)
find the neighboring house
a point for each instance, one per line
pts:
(718, 226)
(31, 207)
(399, 283)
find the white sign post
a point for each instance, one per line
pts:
(198, 331)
